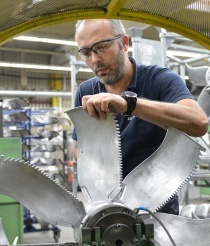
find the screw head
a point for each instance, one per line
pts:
(103, 213)
(118, 226)
(125, 211)
(135, 241)
(94, 244)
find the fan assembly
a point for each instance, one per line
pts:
(118, 211)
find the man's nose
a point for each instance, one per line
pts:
(95, 57)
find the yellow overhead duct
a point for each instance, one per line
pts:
(55, 84)
(188, 18)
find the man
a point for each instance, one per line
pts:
(146, 100)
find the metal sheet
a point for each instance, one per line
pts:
(184, 231)
(204, 99)
(160, 176)
(3, 238)
(99, 161)
(197, 75)
(39, 194)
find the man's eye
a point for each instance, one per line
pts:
(85, 52)
(101, 46)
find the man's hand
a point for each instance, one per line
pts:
(99, 105)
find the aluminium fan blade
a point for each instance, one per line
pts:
(3, 238)
(99, 160)
(154, 181)
(19, 117)
(184, 231)
(204, 100)
(197, 75)
(40, 194)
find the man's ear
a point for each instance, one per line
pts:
(125, 42)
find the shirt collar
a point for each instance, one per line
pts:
(132, 84)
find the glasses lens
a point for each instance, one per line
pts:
(84, 53)
(99, 48)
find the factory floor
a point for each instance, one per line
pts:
(66, 235)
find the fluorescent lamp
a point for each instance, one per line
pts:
(46, 40)
(179, 53)
(42, 67)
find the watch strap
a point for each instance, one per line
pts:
(131, 99)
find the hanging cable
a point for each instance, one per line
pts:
(154, 216)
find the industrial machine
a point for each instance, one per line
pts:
(113, 214)
(118, 212)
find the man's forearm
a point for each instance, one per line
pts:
(186, 115)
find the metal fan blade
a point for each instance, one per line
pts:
(184, 231)
(197, 75)
(99, 161)
(40, 194)
(160, 176)
(15, 103)
(3, 238)
(19, 117)
(204, 100)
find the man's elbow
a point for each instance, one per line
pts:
(201, 127)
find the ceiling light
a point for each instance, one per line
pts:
(46, 40)
(179, 53)
(41, 67)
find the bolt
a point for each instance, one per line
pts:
(118, 226)
(143, 239)
(102, 244)
(135, 241)
(125, 211)
(103, 213)
(94, 244)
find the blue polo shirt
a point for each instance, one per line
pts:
(139, 138)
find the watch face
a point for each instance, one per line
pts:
(130, 94)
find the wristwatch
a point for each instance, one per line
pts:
(131, 98)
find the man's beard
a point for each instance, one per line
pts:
(117, 72)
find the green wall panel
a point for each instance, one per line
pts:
(11, 211)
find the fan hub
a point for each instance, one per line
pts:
(111, 225)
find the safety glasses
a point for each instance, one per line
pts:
(99, 47)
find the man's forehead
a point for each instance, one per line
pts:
(94, 23)
(91, 31)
